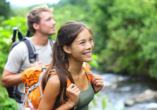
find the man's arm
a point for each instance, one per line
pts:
(13, 79)
(10, 79)
(9, 75)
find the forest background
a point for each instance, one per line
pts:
(125, 34)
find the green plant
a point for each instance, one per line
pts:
(94, 62)
(128, 43)
(6, 103)
(105, 104)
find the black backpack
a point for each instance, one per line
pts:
(13, 91)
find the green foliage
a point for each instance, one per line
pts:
(6, 35)
(131, 45)
(4, 47)
(99, 16)
(94, 62)
(76, 3)
(105, 104)
(104, 101)
(6, 103)
(22, 12)
(4, 9)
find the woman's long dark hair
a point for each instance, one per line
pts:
(66, 35)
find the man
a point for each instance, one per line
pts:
(40, 21)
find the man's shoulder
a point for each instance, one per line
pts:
(17, 59)
(21, 47)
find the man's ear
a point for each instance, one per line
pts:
(35, 26)
(66, 49)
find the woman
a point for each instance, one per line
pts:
(73, 46)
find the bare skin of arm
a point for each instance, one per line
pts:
(51, 92)
(12, 79)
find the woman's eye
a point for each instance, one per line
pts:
(81, 42)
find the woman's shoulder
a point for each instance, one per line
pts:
(53, 83)
(54, 79)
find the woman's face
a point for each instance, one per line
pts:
(82, 47)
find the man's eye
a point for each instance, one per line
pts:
(90, 39)
(48, 19)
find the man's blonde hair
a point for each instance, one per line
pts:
(33, 16)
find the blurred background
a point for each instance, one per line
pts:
(125, 53)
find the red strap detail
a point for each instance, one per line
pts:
(61, 104)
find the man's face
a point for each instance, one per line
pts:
(47, 23)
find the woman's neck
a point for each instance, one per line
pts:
(75, 68)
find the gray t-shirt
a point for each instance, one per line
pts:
(18, 59)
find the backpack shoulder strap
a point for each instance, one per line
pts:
(88, 72)
(68, 82)
(53, 71)
(31, 51)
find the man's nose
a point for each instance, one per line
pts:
(53, 22)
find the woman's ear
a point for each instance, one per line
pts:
(66, 49)
(35, 26)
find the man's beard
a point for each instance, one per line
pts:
(46, 33)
